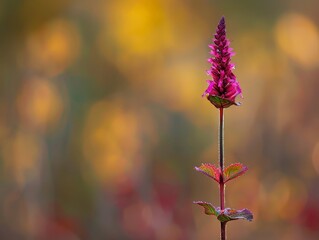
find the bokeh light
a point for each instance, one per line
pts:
(113, 140)
(52, 48)
(39, 103)
(298, 37)
(315, 158)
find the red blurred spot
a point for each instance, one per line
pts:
(310, 216)
(59, 226)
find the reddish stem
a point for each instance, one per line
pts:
(221, 165)
(223, 230)
(222, 195)
(221, 139)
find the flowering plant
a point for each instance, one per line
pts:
(221, 92)
(224, 87)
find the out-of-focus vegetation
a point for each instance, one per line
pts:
(102, 120)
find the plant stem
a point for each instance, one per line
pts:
(223, 230)
(221, 165)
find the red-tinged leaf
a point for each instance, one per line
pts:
(209, 170)
(226, 215)
(229, 214)
(209, 208)
(233, 171)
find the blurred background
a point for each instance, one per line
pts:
(102, 120)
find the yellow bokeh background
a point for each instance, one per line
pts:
(102, 119)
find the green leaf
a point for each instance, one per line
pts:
(219, 102)
(209, 170)
(229, 214)
(226, 215)
(209, 208)
(233, 171)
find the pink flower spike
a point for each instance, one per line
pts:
(223, 92)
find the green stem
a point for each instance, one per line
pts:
(221, 165)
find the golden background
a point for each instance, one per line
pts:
(102, 120)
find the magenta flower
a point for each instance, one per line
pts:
(224, 87)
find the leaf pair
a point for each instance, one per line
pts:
(229, 173)
(226, 214)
